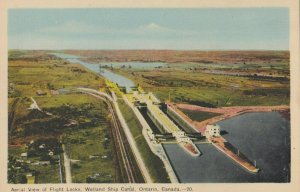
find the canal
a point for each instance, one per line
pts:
(263, 137)
(116, 78)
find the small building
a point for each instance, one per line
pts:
(71, 123)
(51, 153)
(40, 93)
(212, 131)
(41, 163)
(42, 146)
(44, 162)
(104, 156)
(93, 156)
(23, 154)
(54, 92)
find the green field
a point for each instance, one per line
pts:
(210, 90)
(33, 71)
(45, 74)
(97, 142)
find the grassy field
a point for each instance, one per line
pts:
(210, 90)
(207, 78)
(82, 145)
(47, 174)
(154, 164)
(28, 76)
(29, 71)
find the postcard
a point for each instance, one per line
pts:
(131, 96)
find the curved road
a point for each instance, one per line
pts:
(120, 119)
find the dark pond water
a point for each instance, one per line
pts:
(264, 137)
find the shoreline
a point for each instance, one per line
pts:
(225, 112)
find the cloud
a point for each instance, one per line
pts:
(153, 27)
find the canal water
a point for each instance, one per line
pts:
(264, 137)
(120, 80)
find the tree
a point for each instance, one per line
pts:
(21, 179)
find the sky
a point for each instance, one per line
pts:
(172, 29)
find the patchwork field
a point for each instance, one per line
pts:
(206, 78)
(80, 120)
(210, 90)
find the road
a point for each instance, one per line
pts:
(133, 146)
(60, 171)
(156, 148)
(67, 166)
(124, 126)
(34, 105)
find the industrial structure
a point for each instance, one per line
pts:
(163, 122)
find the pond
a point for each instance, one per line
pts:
(263, 137)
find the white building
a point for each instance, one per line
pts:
(212, 131)
(23, 154)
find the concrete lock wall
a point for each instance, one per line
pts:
(178, 119)
(158, 124)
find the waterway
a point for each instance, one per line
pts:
(264, 137)
(118, 79)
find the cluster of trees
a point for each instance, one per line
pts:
(38, 123)
(44, 126)
(195, 102)
(268, 92)
(267, 78)
(48, 144)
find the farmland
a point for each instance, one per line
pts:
(206, 78)
(82, 123)
(79, 121)
(210, 90)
